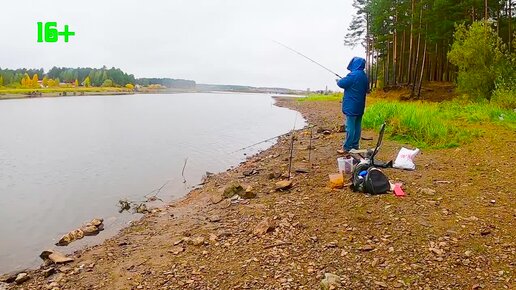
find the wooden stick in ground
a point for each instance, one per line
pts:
(291, 153)
(310, 145)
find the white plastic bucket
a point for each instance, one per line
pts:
(345, 165)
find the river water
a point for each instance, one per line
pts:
(64, 160)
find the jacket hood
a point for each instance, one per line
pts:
(357, 63)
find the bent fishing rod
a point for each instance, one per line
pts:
(297, 52)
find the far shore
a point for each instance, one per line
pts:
(73, 92)
(70, 92)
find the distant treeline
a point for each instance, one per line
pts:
(167, 82)
(96, 76)
(84, 76)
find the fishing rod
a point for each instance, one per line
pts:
(297, 52)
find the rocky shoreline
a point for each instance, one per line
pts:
(248, 228)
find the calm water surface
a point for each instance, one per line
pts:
(64, 161)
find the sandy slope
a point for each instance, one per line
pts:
(460, 237)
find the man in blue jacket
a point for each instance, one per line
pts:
(356, 86)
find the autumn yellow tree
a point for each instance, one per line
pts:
(45, 81)
(129, 86)
(34, 82)
(51, 83)
(87, 82)
(76, 83)
(25, 81)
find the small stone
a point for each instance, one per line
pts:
(216, 198)
(375, 262)
(274, 175)
(283, 185)
(367, 248)
(176, 250)
(485, 232)
(248, 193)
(55, 257)
(381, 284)
(330, 281)
(21, 277)
(468, 253)
(214, 218)
(250, 172)
(213, 237)
(302, 170)
(436, 251)
(427, 191)
(232, 190)
(90, 230)
(65, 269)
(48, 272)
(197, 241)
(493, 201)
(96, 222)
(263, 227)
(9, 277)
(331, 245)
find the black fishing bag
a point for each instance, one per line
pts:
(374, 181)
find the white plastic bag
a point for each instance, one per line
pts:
(405, 159)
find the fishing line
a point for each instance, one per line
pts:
(299, 53)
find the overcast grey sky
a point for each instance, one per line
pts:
(209, 41)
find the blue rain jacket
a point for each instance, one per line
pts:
(355, 86)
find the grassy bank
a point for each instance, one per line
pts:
(436, 125)
(431, 125)
(318, 97)
(6, 91)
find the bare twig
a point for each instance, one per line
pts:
(277, 245)
(183, 171)
(153, 195)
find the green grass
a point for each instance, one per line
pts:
(435, 125)
(319, 97)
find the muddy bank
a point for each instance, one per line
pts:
(456, 235)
